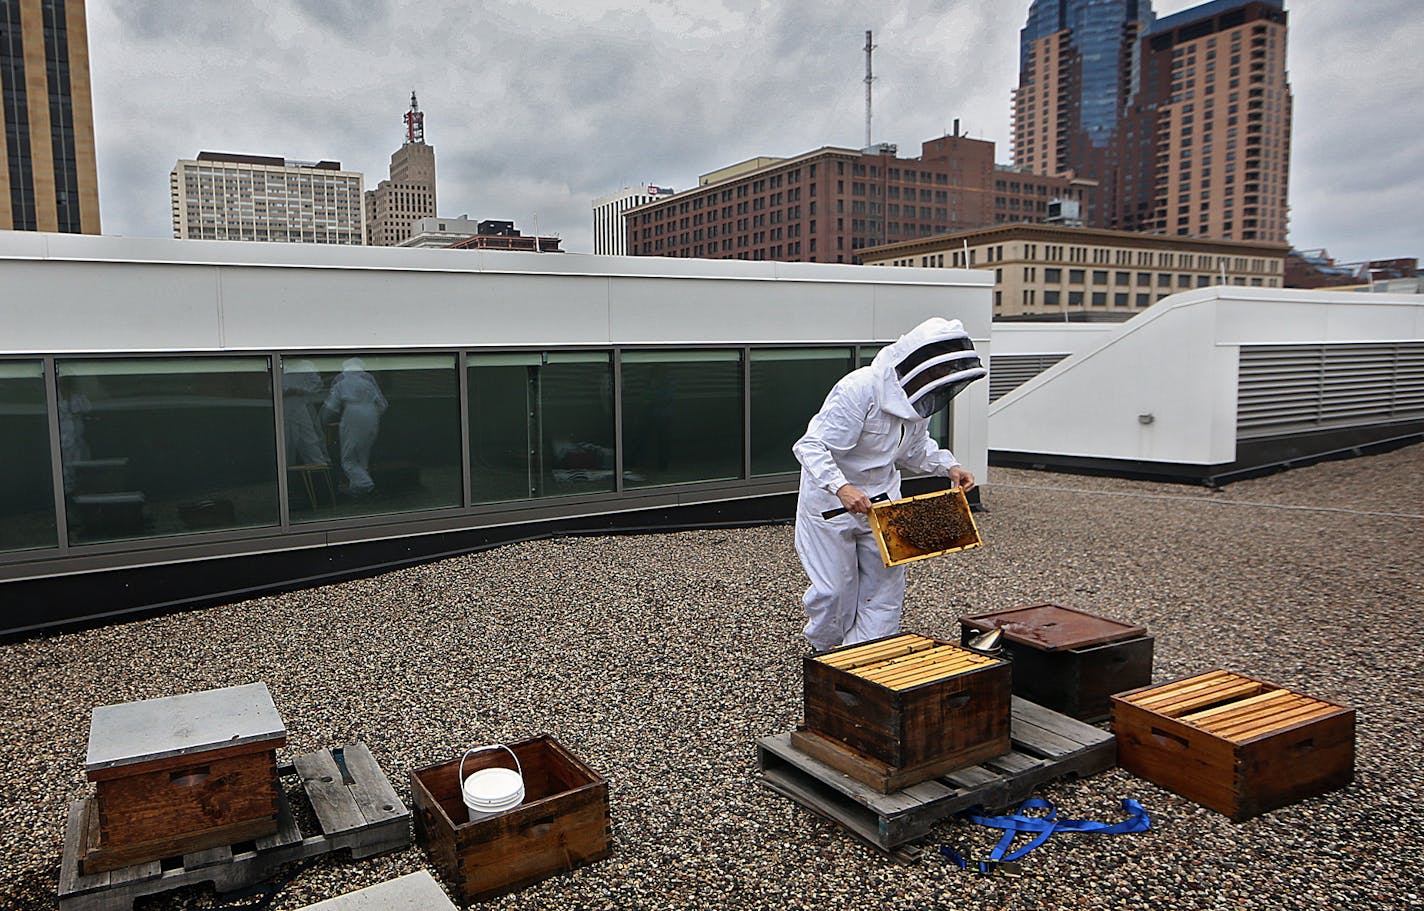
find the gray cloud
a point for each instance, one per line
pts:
(536, 107)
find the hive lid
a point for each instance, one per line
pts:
(1053, 627)
(137, 732)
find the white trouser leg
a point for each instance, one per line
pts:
(827, 549)
(881, 594)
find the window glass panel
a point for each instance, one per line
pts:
(788, 387)
(682, 416)
(867, 354)
(370, 434)
(541, 425)
(166, 446)
(26, 487)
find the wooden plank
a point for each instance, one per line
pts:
(1153, 692)
(1028, 712)
(1234, 707)
(70, 880)
(288, 832)
(1013, 762)
(1159, 701)
(878, 652)
(972, 777)
(199, 859)
(335, 807)
(1255, 728)
(779, 745)
(1282, 701)
(373, 792)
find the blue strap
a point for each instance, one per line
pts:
(1043, 826)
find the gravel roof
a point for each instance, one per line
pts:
(659, 659)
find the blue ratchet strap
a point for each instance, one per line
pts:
(1044, 826)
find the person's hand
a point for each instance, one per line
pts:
(854, 500)
(960, 478)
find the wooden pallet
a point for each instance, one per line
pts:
(1046, 745)
(354, 804)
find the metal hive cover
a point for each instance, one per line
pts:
(1053, 627)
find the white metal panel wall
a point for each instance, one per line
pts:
(1178, 362)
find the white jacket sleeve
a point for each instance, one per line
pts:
(923, 455)
(835, 428)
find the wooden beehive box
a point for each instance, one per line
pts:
(896, 711)
(181, 774)
(563, 822)
(924, 526)
(1068, 660)
(1233, 743)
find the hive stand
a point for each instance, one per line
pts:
(1046, 745)
(353, 801)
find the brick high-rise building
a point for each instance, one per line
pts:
(1077, 65)
(395, 205)
(824, 206)
(1206, 143)
(49, 180)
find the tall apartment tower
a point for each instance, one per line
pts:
(610, 237)
(219, 196)
(1206, 144)
(50, 181)
(395, 205)
(1077, 67)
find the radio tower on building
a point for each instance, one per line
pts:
(395, 205)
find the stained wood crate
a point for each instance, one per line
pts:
(563, 822)
(902, 709)
(1046, 746)
(180, 774)
(904, 528)
(345, 790)
(1066, 659)
(1235, 744)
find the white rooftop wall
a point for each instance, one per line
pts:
(1177, 362)
(66, 294)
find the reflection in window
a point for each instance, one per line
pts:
(541, 424)
(788, 387)
(682, 416)
(370, 434)
(26, 488)
(164, 446)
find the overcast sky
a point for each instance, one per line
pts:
(535, 107)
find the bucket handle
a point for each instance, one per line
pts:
(494, 746)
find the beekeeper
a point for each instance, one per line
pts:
(356, 398)
(874, 422)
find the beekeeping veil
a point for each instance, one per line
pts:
(929, 365)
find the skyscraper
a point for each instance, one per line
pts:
(1206, 140)
(1184, 121)
(1077, 65)
(395, 205)
(610, 237)
(49, 182)
(219, 196)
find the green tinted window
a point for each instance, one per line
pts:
(370, 434)
(788, 387)
(165, 446)
(26, 486)
(541, 424)
(682, 416)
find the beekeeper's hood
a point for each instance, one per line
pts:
(926, 367)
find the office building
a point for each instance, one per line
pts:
(220, 196)
(492, 234)
(49, 181)
(826, 205)
(1048, 271)
(609, 237)
(1211, 126)
(408, 195)
(1184, 121)
(1077, 60)
(440, 232)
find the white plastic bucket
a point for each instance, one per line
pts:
(490, 792)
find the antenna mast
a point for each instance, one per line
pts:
(414, 122)
(869, 78)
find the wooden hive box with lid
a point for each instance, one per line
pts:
(1068, 660)
(180, 774)
(1233, 743)
(896, 711)
(562, 823)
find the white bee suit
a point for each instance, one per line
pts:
(868, 430)
(356, 397)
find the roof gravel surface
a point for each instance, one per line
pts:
(660, 659)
